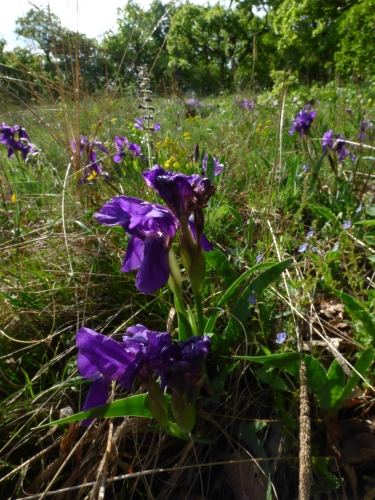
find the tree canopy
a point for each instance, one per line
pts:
(205, 48)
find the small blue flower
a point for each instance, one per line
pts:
(309, 234)
(336, 247)
(281, 337)
(346, 224)
(252, 300)
(306, 168)
(316, 250)
(258, 258)
(359, 208)
(303, 248)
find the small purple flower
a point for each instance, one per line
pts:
(195, 103)
(218, 166)
(139, 124)
(359, 208)
(310, 234)
(306, 168)
(152, 228)
(134, 149)
(303, 121)
(349, 111)
(92, 169)
(327, 141)
(336, 247)
(281, 338)
(366, 131)
(346, 224)
(246, 104)
(258, 258)
(156, 127)
(303, 248)
(8, 138)
(252, 300)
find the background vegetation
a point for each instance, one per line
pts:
(279, 198)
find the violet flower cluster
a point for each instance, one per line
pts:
(141, 354)
(133, 148)
(302, 122)
(92, 167)
(245, 104)
(8, 138)
(336, 144)
(194, 103)
(366, 131)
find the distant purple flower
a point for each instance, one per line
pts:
(92, 169)
(310, 234)
(218, 166)
(336, 247)
(104, 360)
(335, 144)
(258, 258)
(327, 141)
(195, 103)
(349, 111)
(303, 121)
(156, 127)
(252, 300)
(152, 229)
(346, 224)
(306, 168)
(23, 145)
(303, 248)
(120, 143)
(139, 124)
(281, 338)
(359, 208)
(246, 104)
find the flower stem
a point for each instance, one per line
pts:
(199, 308)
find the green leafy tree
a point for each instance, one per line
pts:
(140, 40)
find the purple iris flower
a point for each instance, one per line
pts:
(218, 166)
(195, 103)
(206, 245)
(121, 143)
(152, 229)
(183, 362)
(336, 144)
(104, 360)
(303, 121)
(8, 138)
(246, 104)
(182, 193)
(92, 168)
(139, 124)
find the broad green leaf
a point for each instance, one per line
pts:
(371, 210)
(287, 361)
(256, 288)
(358, 311)
(210, 168)
(315, 172)
(133, 406)
(224, 298)
(219, 262)
(237, 216)
(366, 222)
(336, 381)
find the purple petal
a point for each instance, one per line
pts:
(134, 255)
(281, 337)
(206, 245)
(154, 271)
(97, 396)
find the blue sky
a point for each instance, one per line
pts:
(92, 17)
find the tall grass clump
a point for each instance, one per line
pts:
(186, 293)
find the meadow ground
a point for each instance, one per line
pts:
(291, 278)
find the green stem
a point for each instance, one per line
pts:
(199, 308)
